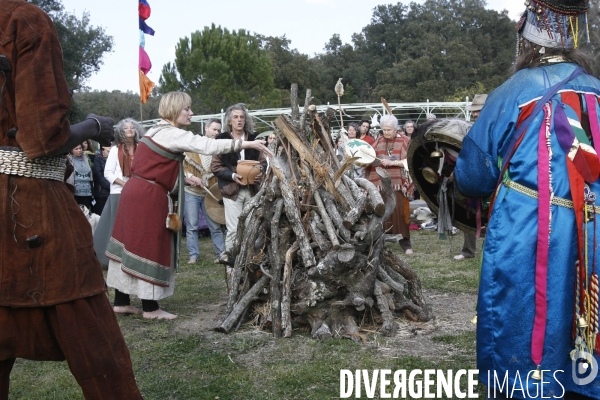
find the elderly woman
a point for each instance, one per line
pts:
(143, 249)
(392, 149)
(117, 171)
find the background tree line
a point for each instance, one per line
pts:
(441, 50)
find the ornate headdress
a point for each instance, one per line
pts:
(554, 23)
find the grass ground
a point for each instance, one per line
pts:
(185, 359)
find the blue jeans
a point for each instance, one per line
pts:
(193, 205)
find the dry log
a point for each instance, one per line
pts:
(277, 264)
(254, 203)
(294, 102)
(248, 238)
(416, 304)
(293, 214)
(305, 109)
(284, 126)
(250, 297)
(326, 221)
(356, 211)
(389, 326)
(286, 319)
(352, 186)
(374, 195)
(325, 139)
(335, 216)
(323, 243)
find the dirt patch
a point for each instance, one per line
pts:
(453, 313)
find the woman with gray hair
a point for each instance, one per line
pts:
(117, 171)
(392, 149)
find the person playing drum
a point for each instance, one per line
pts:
(392, 149)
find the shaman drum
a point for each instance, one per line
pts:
(432, 155)
(361, 150)
(214, 204)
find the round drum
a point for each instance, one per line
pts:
(432, 155)
(215, 208)
(361, 150)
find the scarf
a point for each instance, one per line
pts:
(125, 160)
(393, 149)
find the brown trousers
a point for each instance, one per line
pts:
(85, 332)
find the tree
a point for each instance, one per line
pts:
(83, 45)
(219, 68)
(114, 104)
(422, 51)
(290, 66)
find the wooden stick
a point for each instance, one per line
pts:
(326, 221)
(250, 297)
(284, 126)
(286, 316)
(293, 214)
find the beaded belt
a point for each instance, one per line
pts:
(557, 201)
(14, 162)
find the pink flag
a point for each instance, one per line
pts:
(145, 64)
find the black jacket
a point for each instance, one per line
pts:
(101, 185)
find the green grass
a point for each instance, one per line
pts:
(185, 359)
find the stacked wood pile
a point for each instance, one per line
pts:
(311, 242)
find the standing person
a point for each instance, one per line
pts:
(101, 185)
(88, 151)
(240, 127)
(81, 178)
(409, 128)
(470, 241)
(365, 128)
(117, 172)
(198, 165)
(53, 303)
(145, 265)
(392, 149)
(353, 131)
(539, 132)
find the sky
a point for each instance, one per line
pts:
(309, 24)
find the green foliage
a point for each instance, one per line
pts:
(115, 104)
(219, 68)
(290, 66)
(424, 51)
(83, 45)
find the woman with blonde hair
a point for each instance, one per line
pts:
(143, 249)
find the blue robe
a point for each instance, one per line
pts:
(506, 303)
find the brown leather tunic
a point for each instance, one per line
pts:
(64, 267)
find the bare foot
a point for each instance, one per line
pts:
(159, 314)
(127, 310)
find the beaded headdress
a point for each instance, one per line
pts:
(554, 23)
